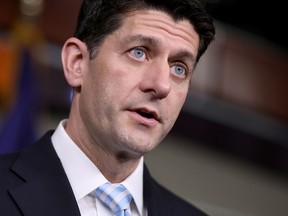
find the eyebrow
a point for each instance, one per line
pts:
(185, 54)
(140, 38)
(154, 43)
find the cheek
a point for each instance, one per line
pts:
(176, 104)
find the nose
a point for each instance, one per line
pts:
(156, 80)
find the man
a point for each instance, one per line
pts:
(130, 65)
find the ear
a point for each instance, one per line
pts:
(74, 54)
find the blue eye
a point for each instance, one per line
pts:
(179, 70)
(138, 53)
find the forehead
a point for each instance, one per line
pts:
(162, 27)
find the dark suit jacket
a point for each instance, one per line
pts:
(33, 183)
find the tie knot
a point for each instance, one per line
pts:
(114, 196)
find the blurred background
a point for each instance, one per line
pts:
(230, 143)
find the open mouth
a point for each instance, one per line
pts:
(146, 114)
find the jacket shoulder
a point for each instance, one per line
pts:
(8, 177)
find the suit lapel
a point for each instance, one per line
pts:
(154, 198)
(45, 190)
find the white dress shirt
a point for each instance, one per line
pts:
(85, 177)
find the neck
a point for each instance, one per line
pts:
(115, 166)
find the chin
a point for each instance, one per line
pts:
(141, 148)
(138, 143)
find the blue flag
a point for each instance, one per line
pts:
(19, 129)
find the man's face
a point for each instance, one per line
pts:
(134, 89)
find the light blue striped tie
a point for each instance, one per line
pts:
(116, 197)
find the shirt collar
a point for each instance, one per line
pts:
(83, 175)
